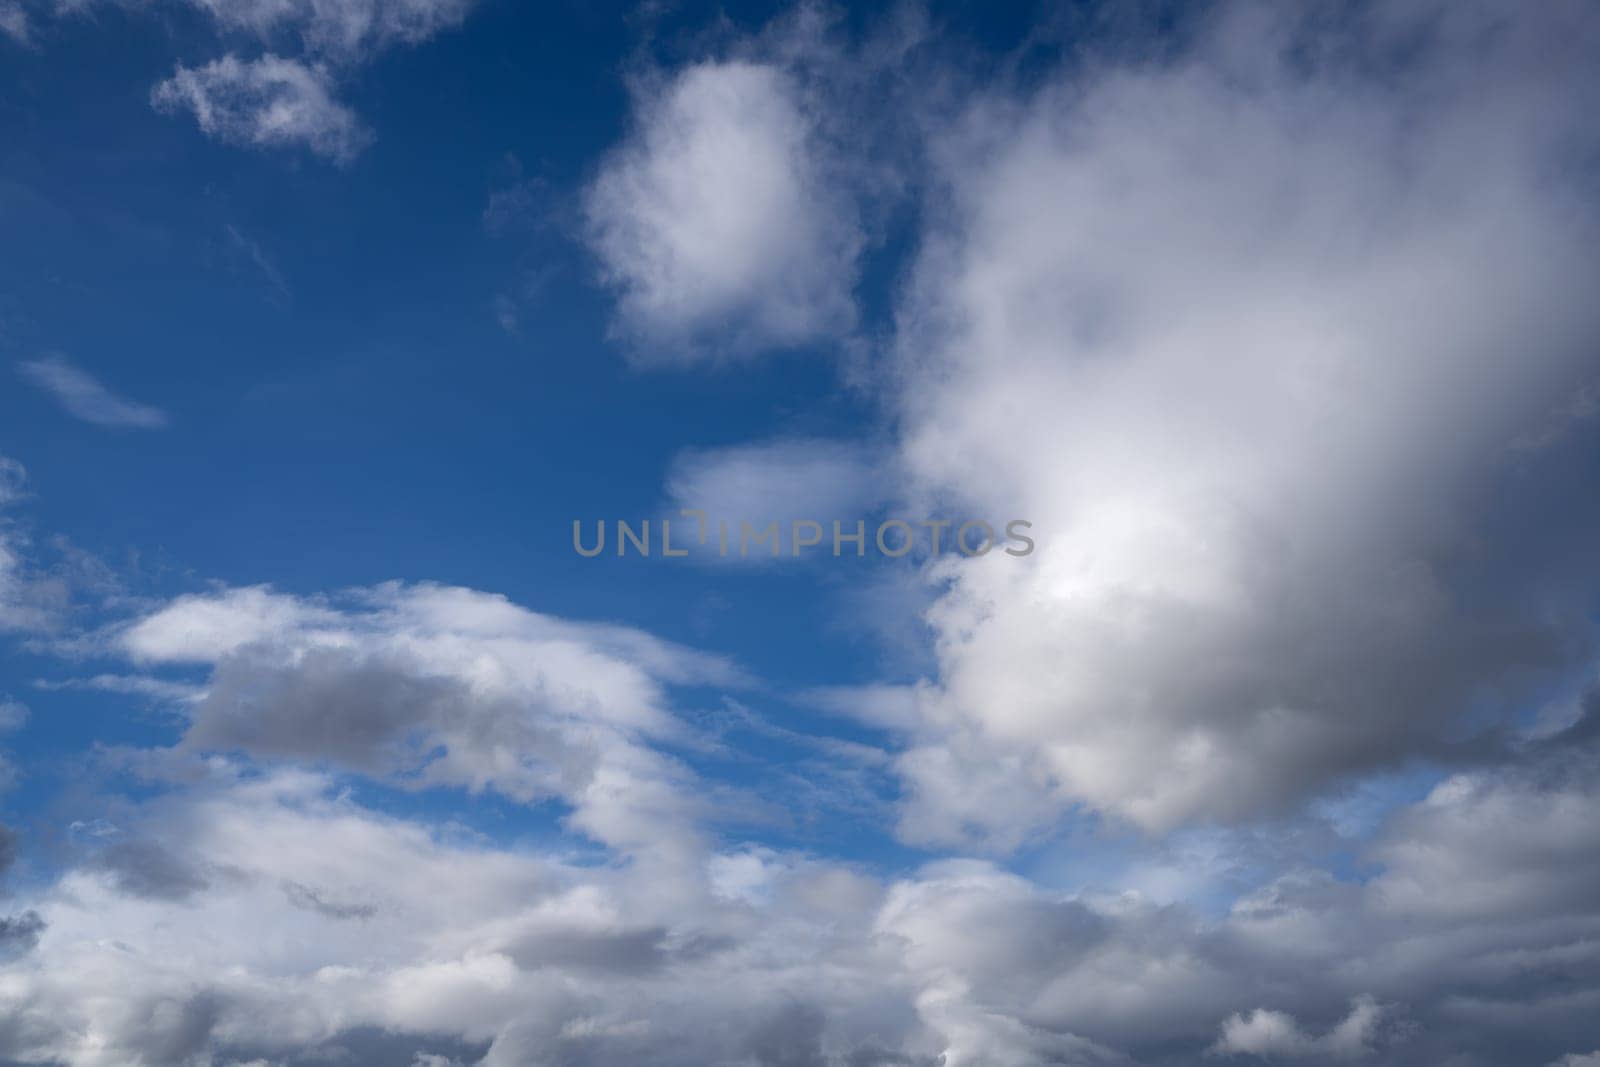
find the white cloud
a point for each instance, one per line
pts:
(1275, 1034)
(784, 481)
(1235, 331)
(83, 396)
(29, 601)
(887, 707)
(439, 942)
(349, 30)
(268, 102)
(430, 685)
(1235, 334)
(13, 714)
(717, 223)
(251, 250)
(259, 912)
(140, 685)
(343, 32)
(14, 21)
(13, 476)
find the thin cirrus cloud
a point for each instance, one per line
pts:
(86, 398)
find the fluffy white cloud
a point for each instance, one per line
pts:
(716, 220)
(82, 395)
(268, 102)
(1250, 334)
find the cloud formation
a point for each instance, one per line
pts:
(83, 396)
(782, 480)
(267, 102)
(1285, 345)
(716, 223)
(29, 601)
(341, 30)
(269, 915)
(280, 101)
(1237, 329)
(432, 686)
(14, 21)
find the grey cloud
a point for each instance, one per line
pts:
(1238, 327)
(366, 1046)
(333, 704)
(304, 896)
(428, 686)
(19, 933)
(148, 869)
(621, 951)
(8, 849)
(164, 1030)
(614, 963)
(790, 1037)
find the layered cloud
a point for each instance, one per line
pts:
(716, 222)
(1258, 335)
(267, 917)
(250, 910)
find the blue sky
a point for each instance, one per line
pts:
(322, 322)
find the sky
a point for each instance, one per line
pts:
(1214, 390)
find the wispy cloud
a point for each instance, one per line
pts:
(270, 102)
(86, 398)
(252, 251)
(14, 21)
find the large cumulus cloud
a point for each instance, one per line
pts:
(1275, 338)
